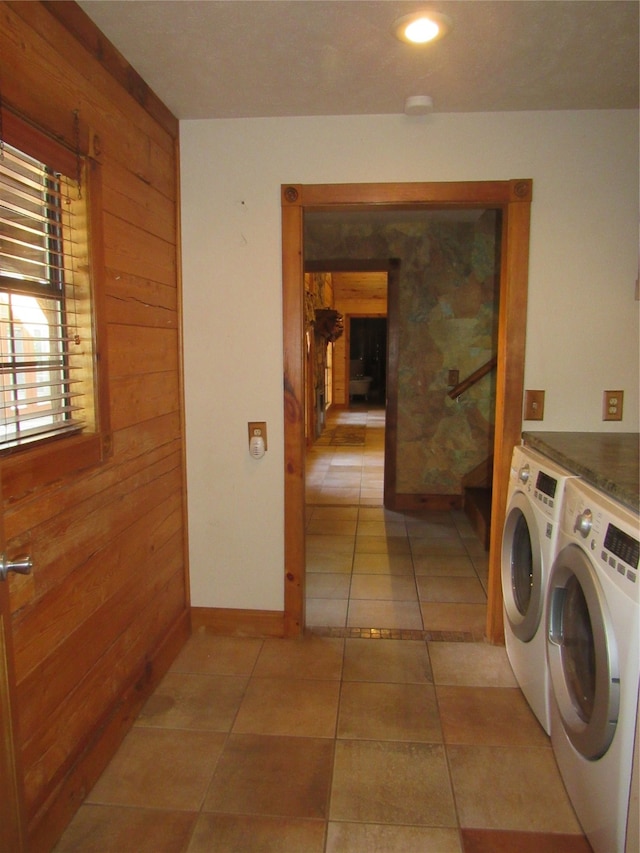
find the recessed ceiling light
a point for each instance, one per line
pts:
(422, 27)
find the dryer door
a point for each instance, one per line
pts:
(582, 653)
(522, 568)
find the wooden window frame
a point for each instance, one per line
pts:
(25, 468)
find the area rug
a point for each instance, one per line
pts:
(350, 436)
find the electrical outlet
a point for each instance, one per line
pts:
(258, 429)
(533, 405)
(612, 405)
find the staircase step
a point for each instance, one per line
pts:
(477, 507)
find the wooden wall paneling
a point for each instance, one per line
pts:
(70, 587)
(88, 640)
(139, 203)
(50, 821)
(135, 441)
(40, 20)
(106, 607)
(140, 398)
(137, 350)
(132, 250)
(48, 753)
(139, 301)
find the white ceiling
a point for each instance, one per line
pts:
(249, 58)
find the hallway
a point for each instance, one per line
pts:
(420, 575)
(390, 726)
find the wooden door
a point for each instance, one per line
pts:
(11, 791)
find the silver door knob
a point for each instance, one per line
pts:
(22, 565)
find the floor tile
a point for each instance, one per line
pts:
(194, 701)
(161, 769)
(488, 716)
(308, 657)
(377, 838)
(396, 712)
(381, 528)
(443, 616)
(438, 565)
(441, 546)
(393, 783)
(327, 584)
(510, 788)
(384, 614)
(208, 653)
(382, 545)
(400, 661)
(278, 776)
(115, 829)
(383, 587)
(505, 841)
(286, 706)
(216, 833)
(439, 589)
(471, 664)
(332, 527)
(343, 513)
(326, 612)
(382, 563)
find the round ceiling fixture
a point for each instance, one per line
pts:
(422, 27)
(418, 105)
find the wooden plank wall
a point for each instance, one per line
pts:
(106, 606)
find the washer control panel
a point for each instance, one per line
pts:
(608, 530)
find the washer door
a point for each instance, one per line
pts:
(522, 568)
(582, 654)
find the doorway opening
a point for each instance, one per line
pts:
(367, 344)
(513, 199)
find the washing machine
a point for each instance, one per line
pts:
(593, 653)
(534, 500)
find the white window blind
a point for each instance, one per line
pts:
(42, 352)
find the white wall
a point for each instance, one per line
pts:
(582, 318)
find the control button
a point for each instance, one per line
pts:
(631, 576)
(621, 569)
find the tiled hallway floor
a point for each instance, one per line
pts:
(390, 727)
(368, 567)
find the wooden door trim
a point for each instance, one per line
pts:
(514, 199)
(12, 812)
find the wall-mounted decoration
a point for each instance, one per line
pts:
(329, 324)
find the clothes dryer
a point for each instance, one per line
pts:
(534, 499)
(593, 637)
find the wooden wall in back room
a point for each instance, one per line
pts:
(106, 606)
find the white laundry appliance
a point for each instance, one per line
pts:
(593, 645)
(534, 500)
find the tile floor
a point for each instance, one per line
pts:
(369, 734)
(368, 567)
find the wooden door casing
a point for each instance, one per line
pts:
(513, 198)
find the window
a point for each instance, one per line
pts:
(46, 330)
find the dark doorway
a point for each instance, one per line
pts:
(368, 356)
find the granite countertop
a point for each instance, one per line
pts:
(607, 460)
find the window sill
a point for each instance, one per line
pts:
(24, 471)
